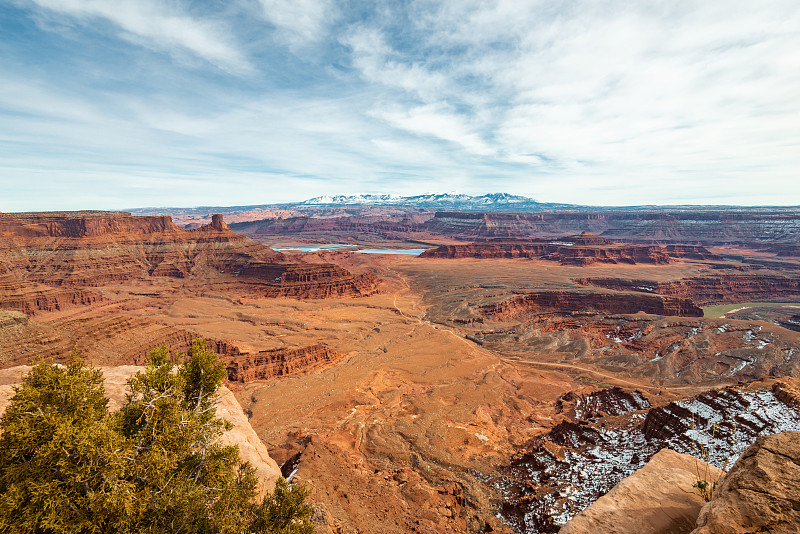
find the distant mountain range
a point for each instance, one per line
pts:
(428, 202)
(455, 201)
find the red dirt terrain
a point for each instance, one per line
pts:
(497, 387)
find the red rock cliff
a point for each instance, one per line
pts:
(592, 302)
(279, 363)
(96, 249)
(584, 249)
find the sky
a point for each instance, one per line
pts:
(114, 104)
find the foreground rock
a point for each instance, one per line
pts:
(657, 499)
(568, 469)
(251, 448)
(761, 493)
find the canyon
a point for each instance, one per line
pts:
(95, 249)
(499, 382)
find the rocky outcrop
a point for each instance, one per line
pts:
(282, 362)
(792, 322)
(583, 249)
(709, 289)
(30, 297)
(313, 280)
(563, 472)
(761, 493)
(659, 498)
(775, 230)
(251, 448)
(783, 249)
(691, 252)
(85, 250)
(570, 302)
(613, 401)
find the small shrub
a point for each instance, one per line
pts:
(703, 485)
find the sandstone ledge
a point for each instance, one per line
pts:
(657, 499)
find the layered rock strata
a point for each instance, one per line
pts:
(105, 340)
(709, 289)
(115, 340)
(570, 302)
(31, 297)
(283, 362)
(768, 227)
(584, 249)
(613, 401)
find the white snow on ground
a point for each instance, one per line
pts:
(719, 428)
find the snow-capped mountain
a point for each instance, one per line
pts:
(354, 204)
(457, 201)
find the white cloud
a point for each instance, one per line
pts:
(299, 22)
(379, 63)
(609, 92)
(439, 122)
(155, 25)
(606, 102)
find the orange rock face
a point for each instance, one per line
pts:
(129, 340)
(657, 499)
(761, 491)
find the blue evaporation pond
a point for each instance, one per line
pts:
(313, 248)
(406, 251)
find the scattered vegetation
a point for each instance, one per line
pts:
(68, 465)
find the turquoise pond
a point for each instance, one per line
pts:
(313, 248)
(406, 251)
(338, 246)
